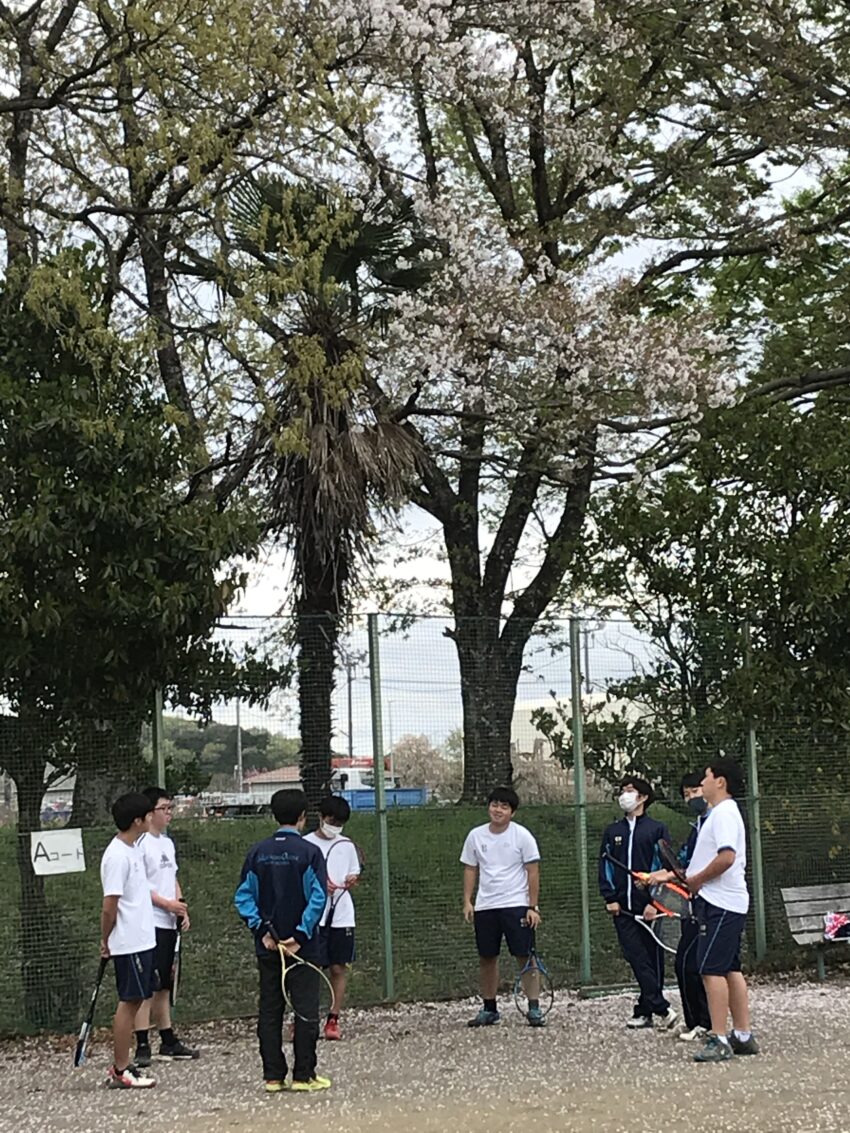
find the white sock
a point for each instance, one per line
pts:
(743, 1036)
(723, 1039)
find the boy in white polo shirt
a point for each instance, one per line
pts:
(343, 866)
(168, 905)
(717, 878)
(503, 858)
(127, 932)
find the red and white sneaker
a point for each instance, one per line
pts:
(332, 1028)
(130, 1079)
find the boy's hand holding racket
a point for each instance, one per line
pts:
(660, 877)
(532, 918)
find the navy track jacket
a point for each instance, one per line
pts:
(283, 886)
(687, 851)
(637, 849)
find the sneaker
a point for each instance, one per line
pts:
(693, 1034)
(129, 1079)
(316, 1083)
(715, 1050)
(275, 1086)
(143, 1055)
(484, 1018)
(639, 1022)
(331, 1030)
(743, 1046)
(176, 1052)
(669, 1019)
(536, 1018)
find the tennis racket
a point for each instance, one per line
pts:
(176, 964)
(534, 984)
(665, 928)
(667, 897)
(310, 1009)
(86, 1029)
(671, 861)
(343, 875)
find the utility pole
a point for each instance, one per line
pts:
(349, 670)
(239, 776)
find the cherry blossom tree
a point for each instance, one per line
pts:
(578, 163)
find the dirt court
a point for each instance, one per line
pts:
(417, 1069)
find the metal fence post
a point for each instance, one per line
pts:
(158, 738)
(580, 796)
(754, 817)
(381, 802)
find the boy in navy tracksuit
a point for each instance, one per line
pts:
(281, 896)
(633, 841)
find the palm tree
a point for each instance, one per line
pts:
(330, 457)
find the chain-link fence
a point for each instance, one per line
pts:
(406, 693)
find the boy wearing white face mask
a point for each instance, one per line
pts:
(343, 873)
(633, 841)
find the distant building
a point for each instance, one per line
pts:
(260, 787)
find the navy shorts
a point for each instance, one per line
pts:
(135, 975)
(719, 940)
(166, 941)
(492, 924)
(337, 946)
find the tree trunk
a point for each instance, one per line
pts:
(108, 761)
(317, 628)
(49, 955)
(489, 671)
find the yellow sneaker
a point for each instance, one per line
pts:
(275, 1087)
(310, 1087)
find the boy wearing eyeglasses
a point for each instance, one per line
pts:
(168, 908)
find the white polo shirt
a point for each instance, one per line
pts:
(723, 829)
(122, 874)
(161, 869)
(341, 863)
(501, 860)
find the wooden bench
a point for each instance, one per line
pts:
(805, 906)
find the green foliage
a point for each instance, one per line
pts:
(201, 750)
(108, 578)
(755, 530)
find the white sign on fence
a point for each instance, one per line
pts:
(57, 851)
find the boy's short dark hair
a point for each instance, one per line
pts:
(729, 770)
(641, 786)
(335, 806)
(127, 808)
(155, 794)
(689, 781)
(504, 795)
(288, 806)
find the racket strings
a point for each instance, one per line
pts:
(324, 1003)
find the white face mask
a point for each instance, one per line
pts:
(331, 831)
(628, 801)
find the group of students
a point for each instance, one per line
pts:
(143, 911)
(501, 858)
(284, 896)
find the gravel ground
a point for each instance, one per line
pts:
(418, 1068)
